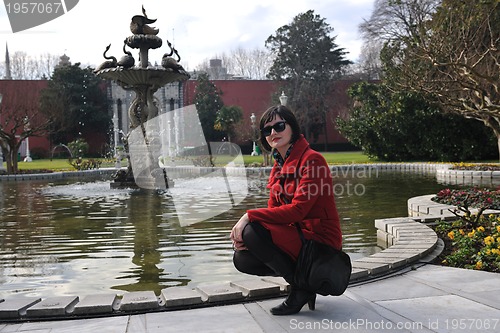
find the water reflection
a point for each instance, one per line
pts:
(85, 238)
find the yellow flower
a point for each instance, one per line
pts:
(451, 235)
(488, 252)
(479, 265)
(498, 240)
(461, 231)
(489, 240)
(491, 216)
(498, 226)
(480, 229)
(471, 234)
(496, 251)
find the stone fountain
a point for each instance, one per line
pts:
(144, 80)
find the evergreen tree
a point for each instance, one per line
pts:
(76, 102)
(307, 61)
(208, 102)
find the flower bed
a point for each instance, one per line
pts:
(473, 240)
(473, 248)
(476, 166)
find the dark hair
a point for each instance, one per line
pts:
(287, 115)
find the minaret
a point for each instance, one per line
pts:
(8, 76)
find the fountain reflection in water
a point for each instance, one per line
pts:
(86, 238)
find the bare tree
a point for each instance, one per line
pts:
(390, 21)
(251, 64)
(25, 67)
(370, 59)
(396, 20)
(20, 118)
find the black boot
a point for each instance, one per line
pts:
(294, 302)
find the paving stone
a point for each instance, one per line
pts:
(15, 308)
(139, 300)
(372, 267)
(256, 288)
(415, 243)
(383, 223)
(358, 273)
(393, 228)
(181, 296)
(409, 256)
(284, 286)
(219, 292)
(54, 306)
(94, 304)
(391, 261)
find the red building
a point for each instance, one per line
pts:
(21, 97)
(255, 96)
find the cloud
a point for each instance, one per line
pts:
(199, 29)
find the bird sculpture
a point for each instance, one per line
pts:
(109, 63)
(139, 24)
(126, 61)
(167, 61)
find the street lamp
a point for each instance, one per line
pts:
(254, 149)
(283, 98)
(28, 156)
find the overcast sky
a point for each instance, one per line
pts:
(199, 29)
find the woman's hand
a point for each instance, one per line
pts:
(237, 231)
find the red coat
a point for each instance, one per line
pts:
(302, 191)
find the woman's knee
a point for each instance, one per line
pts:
(255, 234)
(247, 263)
(238, 261)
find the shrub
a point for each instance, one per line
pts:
(79, 147)
(80, 164)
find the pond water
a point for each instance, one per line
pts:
(68, 238)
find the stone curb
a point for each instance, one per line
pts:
(104, 172)
(467, 177)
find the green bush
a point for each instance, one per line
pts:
(79, 148)
(404, 127)
(81, 164)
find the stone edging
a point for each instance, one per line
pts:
(104, 172)
(407, 239)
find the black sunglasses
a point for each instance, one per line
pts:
(278, 127)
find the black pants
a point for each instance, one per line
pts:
(263, 257)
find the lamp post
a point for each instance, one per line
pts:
(283, 98)
(28, 156)
(254, 148)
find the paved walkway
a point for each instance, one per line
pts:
(429, 298)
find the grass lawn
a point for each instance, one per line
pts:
(348, 157)
(55, 164)
(63, 164)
